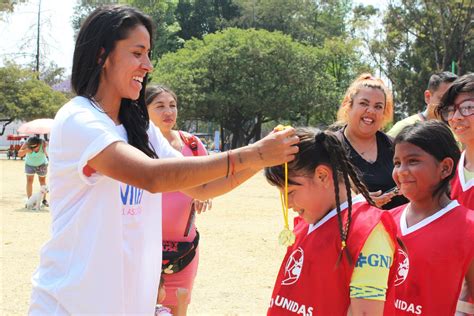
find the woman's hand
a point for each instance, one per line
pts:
(276, 148)
(381, 199)
(202, 206)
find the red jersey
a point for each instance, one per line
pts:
(310, 281)
(440, 249)
(462, 190)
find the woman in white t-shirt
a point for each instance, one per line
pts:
(104, 254)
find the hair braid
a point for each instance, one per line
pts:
(356, 180)
(337, 154)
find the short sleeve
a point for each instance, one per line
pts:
(78, 135)
(370, 276)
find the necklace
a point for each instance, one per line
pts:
(98, 105)
(101, 109)
(363, 153)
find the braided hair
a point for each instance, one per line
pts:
(318, 147)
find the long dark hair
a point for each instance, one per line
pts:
(318, 147)
(436, 139)
(96, 40)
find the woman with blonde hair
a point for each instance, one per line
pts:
(366, 109)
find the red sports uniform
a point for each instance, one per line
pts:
(309, 281)
(440, 249)
(462, 190)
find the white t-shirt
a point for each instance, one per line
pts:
(104, 256)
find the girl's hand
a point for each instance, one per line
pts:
(202, 206)
(381, 199)
(276, 148)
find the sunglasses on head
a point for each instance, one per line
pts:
(465, 108)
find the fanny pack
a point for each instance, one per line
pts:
(178, 254)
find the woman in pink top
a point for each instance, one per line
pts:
(178, 208)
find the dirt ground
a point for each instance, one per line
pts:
(240, 254)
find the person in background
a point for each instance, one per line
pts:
(438, 232)
(36, 162)
(178, 208)
(108, 165)
(366, 108)
(437, 86)
(457, 108)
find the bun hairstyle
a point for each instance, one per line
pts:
(318, 147)
(365, 80)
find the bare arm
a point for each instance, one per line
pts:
(45, 148)
(220, 186)
(127, 164)
(24, 149)
(362, 307)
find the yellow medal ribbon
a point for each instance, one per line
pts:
(286, 237)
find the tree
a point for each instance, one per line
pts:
(52, 74)
(244, 78)
(200, 17)
(83, 8)
(23, 96)
(418, 39)
(308, 21)
(166, 34)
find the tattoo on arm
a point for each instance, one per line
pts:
(240, 158)
(260, 153)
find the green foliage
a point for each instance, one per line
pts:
(244, 78)
(23, 96)
(420, 38)
(83, 8)
(166, 37)
(52, 74)
(200, 17)
(308, 21)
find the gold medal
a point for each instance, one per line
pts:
(287, 237)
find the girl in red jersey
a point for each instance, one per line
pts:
(456, 108)
(342, 257)
(437, 232)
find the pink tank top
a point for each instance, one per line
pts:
(177, 207)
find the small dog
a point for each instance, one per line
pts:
(34, 202)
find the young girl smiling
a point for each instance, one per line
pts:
(456, 108)
(438, 233)
(342, 257)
